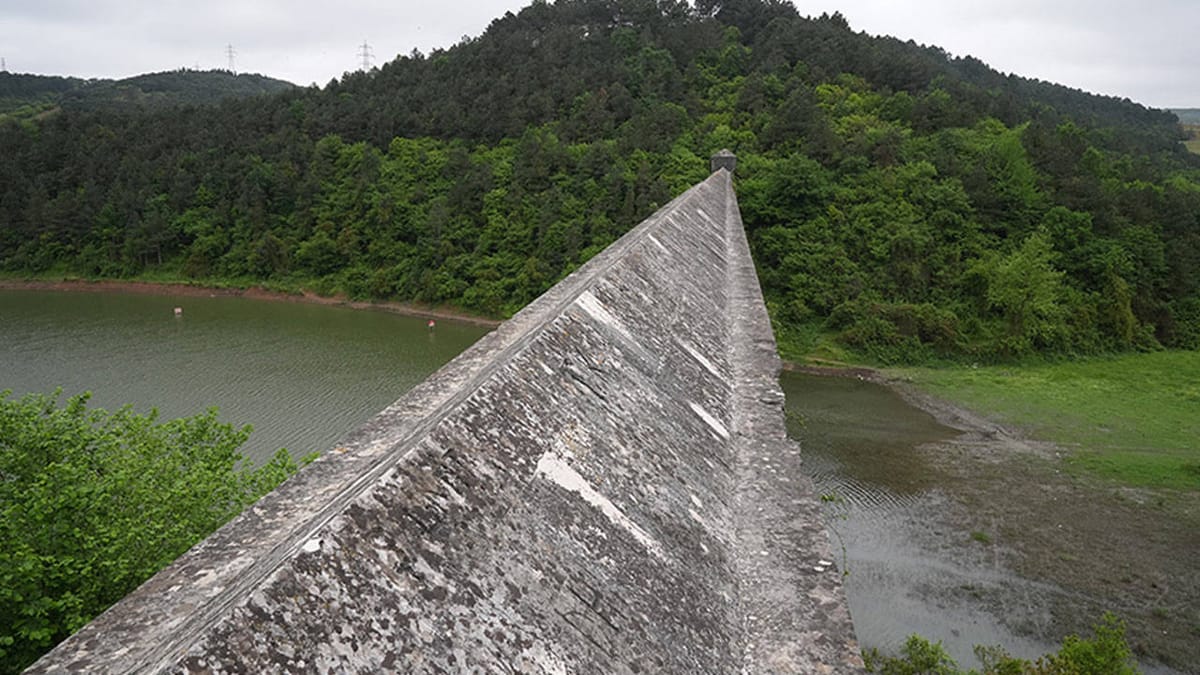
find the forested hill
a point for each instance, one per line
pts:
(20, 90)
(909, 203)
(152, 90)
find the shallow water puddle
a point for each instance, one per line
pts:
(920, 558)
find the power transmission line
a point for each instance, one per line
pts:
(230, 53)
(367, 56)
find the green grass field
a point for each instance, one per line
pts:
(1132, 418)
(1193, 131)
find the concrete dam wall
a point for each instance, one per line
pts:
(601, 485)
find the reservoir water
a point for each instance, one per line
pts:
(933, 530)
(303, 375)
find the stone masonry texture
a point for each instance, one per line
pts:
(601, 485)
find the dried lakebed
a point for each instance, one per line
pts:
(966, 532)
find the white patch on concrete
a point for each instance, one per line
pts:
(658, 243)
(312, 545)
(708, 365)
(588, 303)
(558, 472)
(710, 420)
(431, 576)
(454, 495)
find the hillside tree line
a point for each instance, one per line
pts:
(912, 204)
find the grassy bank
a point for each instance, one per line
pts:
(1193, 137)
(1132, 418)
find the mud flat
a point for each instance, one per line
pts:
(970, 532)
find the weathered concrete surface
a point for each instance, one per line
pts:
(602, 485)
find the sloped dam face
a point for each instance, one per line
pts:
(602, 484)
(932, 525)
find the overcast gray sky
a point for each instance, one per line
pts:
(1145, 50)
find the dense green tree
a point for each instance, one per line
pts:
(1027, 290)
(93, 503)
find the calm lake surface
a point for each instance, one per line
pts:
(303, 375)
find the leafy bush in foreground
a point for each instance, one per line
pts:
(93, 503)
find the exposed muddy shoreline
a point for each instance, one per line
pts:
(1078, 545)
(254, 292)
(968, 422)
